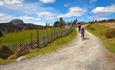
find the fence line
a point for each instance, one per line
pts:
(41, 40)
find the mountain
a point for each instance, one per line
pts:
(16, 21)
(17, 25)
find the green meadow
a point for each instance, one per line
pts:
(16, 37)
(99, 31)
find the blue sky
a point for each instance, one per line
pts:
(42, 11)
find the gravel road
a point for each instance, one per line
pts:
(89, 54)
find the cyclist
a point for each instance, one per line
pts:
(79, 26)
(82, 31)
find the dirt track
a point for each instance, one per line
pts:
(89, 54)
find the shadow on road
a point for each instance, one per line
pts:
(86, 38)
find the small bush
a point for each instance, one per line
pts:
(5, 52)
(90, 27)
(110, 33)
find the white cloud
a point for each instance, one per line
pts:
(66, 5)
(92, 1)
(47, 1)
(101, 18)
(108, 9)
(77, 11)
(97, 17)
(26, 8)
(12, 3)
(28, 18)
(74, 11)
(41, 13)
(1, 14)
(5, 18)
(31, 9)
(1, 3)
(47, 15)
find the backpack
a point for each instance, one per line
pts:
(81, 30)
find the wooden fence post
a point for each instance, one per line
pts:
(0, 40)
(31, 38)
(37, 38)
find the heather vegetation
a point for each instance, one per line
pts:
(106, 34)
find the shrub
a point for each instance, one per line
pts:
(90, 27)
(110, 33)
(5, 52)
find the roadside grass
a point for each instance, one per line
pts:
(99, 30)
(55, 45)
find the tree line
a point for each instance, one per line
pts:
(102, 21)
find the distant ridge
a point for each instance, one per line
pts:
(17, 25)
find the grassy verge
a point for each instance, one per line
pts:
(98, 31)
(58, 43)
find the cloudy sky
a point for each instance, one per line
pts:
(42, 11)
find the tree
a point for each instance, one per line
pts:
(62, 22)
(74, 22)
(5, 52)
(1, 34)
(56, 24)
(46, 25)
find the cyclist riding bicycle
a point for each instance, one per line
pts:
(82, 31)
(79, 26)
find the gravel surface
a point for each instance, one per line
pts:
(89, 54)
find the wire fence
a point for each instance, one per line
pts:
(42, 39)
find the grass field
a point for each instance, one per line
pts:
(98, 31)
(51, 47)
(16, 37)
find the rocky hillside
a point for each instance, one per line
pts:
(17, 25)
